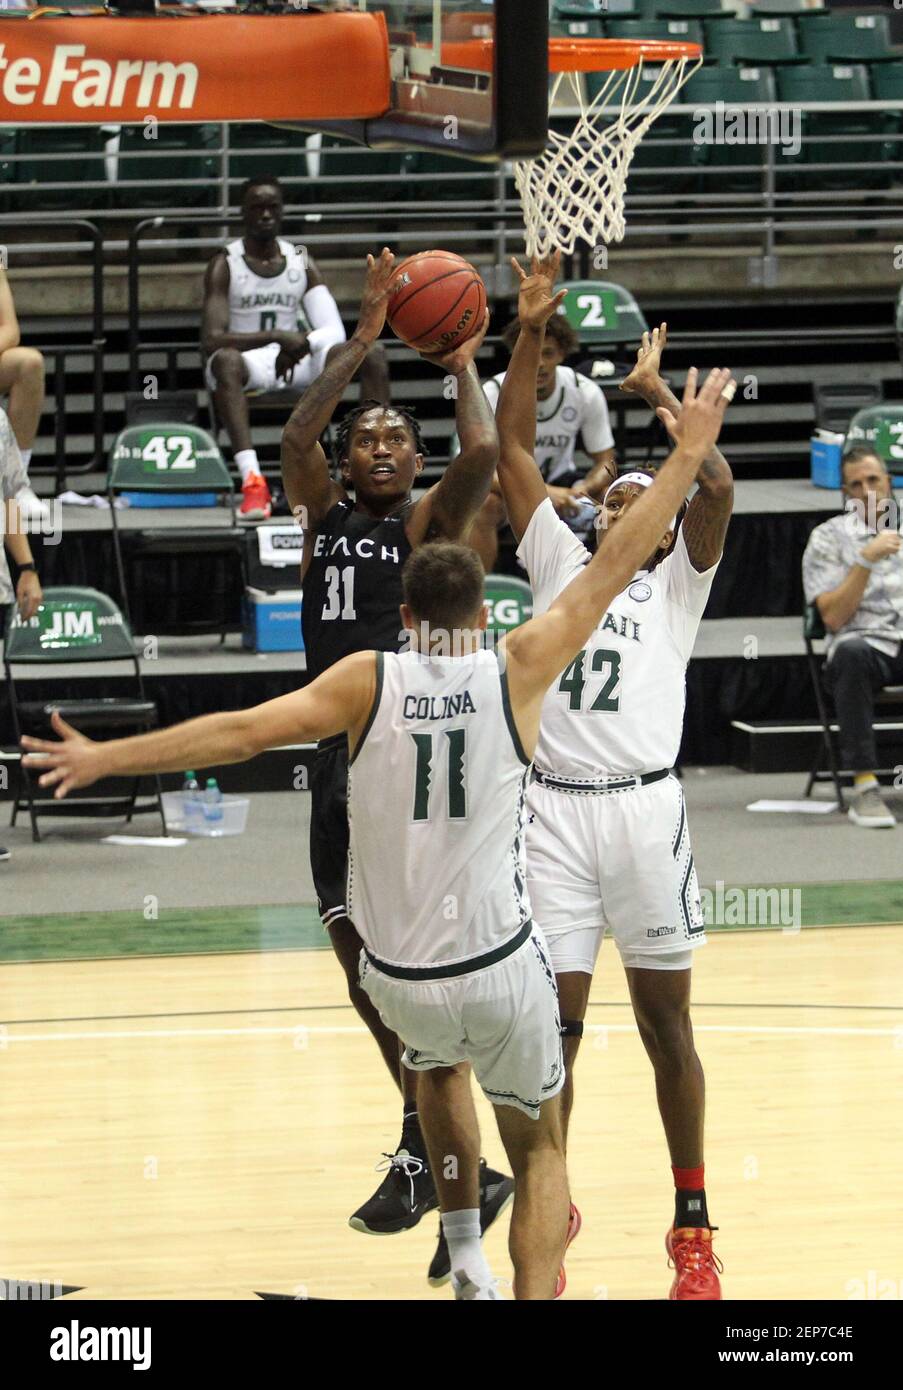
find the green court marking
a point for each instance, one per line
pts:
(219, 930)
(182, 931)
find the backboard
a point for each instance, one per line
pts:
(437, 105)
(387, 73)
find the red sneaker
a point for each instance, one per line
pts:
(575, 1221)
(256, 503)
(695, 1263)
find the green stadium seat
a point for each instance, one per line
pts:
(832, 82)
(188, 157)
(603, 314)
(887, 85)
(674, 30)
(358, 172)
(579, 9)
(827, 37)
(734, 86)
(684, 9)
(80, 150)
(584, 28)
(881, 426)
(674, 164)
(769, 39)
(451, 179)
(257, 148)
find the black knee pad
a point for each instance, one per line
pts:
(571, 1028)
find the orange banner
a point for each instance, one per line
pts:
(203, 68)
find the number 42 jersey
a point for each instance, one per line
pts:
(436, 791)
(619, 707)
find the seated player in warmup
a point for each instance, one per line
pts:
(853, 571)
(354, 551)
(457, 725)
(254, 294)
(22, 381)
(570, 407)
(607, 845)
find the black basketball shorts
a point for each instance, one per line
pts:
(329, 827)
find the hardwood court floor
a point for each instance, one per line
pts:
(203, 1127)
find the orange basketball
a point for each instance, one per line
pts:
(436, 301)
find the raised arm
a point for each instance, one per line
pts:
(340, 699)
(305, 472)
(521, 482)
(447, 510)
(705, 525)
(539, 650)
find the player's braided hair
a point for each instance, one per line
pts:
(346, 428)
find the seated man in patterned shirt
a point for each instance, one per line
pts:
(853, 572)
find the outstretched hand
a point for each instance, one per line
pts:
(70, 763)
(375, 299)
(648, 363)
(697, 427)
(537, 300)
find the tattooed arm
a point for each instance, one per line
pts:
(705, 525)
(305, 471)
(448, 510)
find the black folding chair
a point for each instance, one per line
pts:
(76, 627)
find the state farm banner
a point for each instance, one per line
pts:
(99, 69)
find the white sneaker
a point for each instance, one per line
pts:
(869, 811)
(31, 506)
(466, 1291)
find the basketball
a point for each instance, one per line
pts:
(437, 301)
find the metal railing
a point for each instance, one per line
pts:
(59, 353)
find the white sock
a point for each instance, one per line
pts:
(26, 458)
(246, 463)
(462, 1232)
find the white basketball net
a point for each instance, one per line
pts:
(575, 190)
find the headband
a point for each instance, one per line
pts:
(641, 480)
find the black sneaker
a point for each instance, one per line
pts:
(4, 855)
(496, 1191)
(405, 1194)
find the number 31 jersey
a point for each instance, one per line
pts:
(619, 707)
(436, 792)
(352, 586)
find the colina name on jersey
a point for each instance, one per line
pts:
(438, 706)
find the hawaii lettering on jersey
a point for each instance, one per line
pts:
(260, 300)
(438, 706)
(621, 626)
(364, 548)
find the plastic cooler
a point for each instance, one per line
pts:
(232, 822)
(272, 622)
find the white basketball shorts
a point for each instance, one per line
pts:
(614, 861)
(261, 365)
(503, 1019)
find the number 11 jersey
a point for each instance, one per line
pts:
(352, 586)
(618, 709)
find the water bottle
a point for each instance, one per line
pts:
(191, 799)
(213, 801)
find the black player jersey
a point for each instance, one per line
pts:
(352, 588)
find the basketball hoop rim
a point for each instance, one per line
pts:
(577, 55)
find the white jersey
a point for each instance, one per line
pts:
(619, 708)
(575, 408)
(436, 792)
(261, 302)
